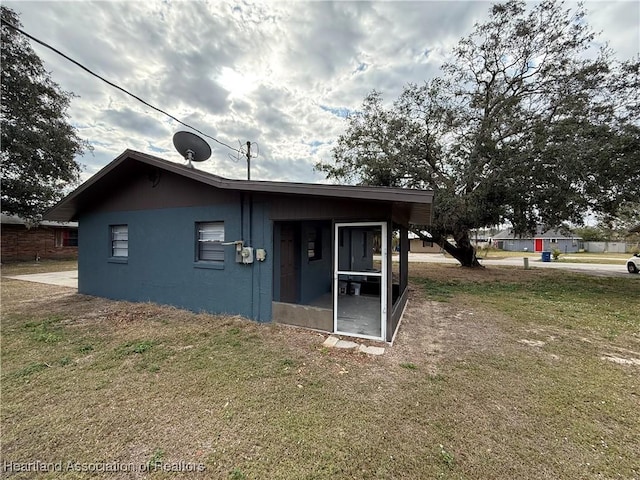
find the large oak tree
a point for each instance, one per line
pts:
(529, 123)
(38, 144)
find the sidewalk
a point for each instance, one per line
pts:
(62, 279)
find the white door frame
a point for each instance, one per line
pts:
(382, 275)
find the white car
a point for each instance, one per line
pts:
(633, 264)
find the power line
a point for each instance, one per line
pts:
(75, 62)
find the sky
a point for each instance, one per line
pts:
(281, 74)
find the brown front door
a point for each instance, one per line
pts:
(288, 270)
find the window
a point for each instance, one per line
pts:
(210, 236)
(120, 241)
(314, 244)
(66, 237)
(554, 240)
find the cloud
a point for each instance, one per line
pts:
(341, 112)
(137, 123)
(281, 74)
(619, 22)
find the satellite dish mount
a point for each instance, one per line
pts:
(191, 147)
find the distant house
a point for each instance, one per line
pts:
(417, 245)
(541, 241)
(21, 241)
(154, 230)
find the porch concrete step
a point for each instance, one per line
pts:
(331, 341)
(346, 344)
(370, 350)
(334, 342)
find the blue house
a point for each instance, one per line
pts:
(312, 255)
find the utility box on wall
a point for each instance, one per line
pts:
(245, 255)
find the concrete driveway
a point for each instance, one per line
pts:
(62, 279)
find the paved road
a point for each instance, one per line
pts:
(598, 269)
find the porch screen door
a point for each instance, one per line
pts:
(360, 280)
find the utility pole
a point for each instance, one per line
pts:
(248, 160)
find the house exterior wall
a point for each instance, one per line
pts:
(315, 275)
(18, 243)
(361, 250)
(275, 260)
(417, 245)
(355, 250)
(565, 245)
(515, 244)
(403, 292)
(161, 204)
(161, 264)
(145, 187)
(289, 208)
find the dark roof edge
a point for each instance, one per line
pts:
(365, 192)
(312, 189)
(94, 179)
(7, 219)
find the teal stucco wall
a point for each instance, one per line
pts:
(314, 277)
(161, 264)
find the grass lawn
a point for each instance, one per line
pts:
(501, 373)
(43, 266)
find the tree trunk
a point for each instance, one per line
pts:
(463, 251)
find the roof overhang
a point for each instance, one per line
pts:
(15, 220)
(107, 179)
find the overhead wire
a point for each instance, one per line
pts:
(108, 82)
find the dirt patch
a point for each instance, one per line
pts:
(532, 343)
(620, 360)
(623, 356)
(432, 332)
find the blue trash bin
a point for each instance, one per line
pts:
(546, 256)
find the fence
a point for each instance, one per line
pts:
(609, 247)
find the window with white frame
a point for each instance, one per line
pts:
(210, 236)
(120, 241)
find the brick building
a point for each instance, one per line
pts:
(49, 240)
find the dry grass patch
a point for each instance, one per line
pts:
(606, 305)
(43, 266)
(458, 395)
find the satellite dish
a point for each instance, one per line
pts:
(191, 147)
